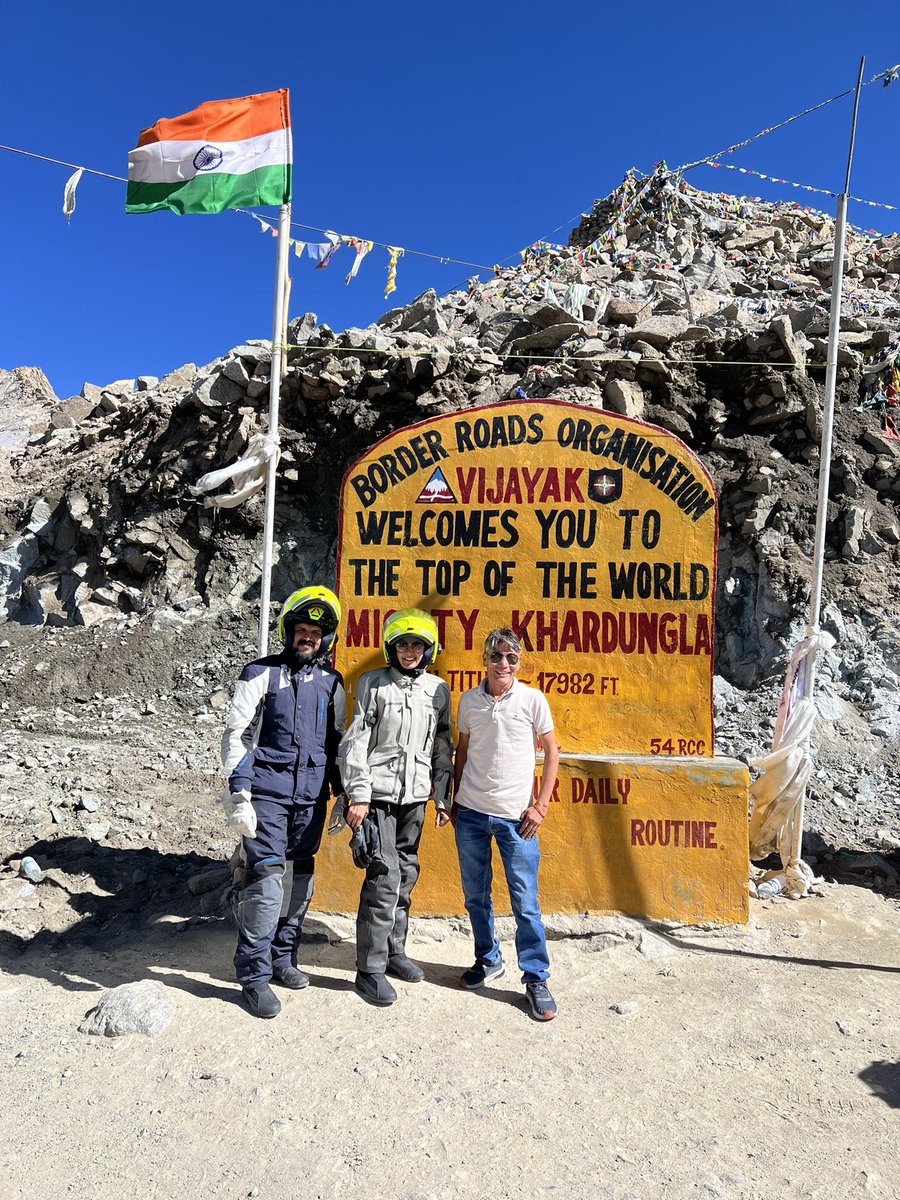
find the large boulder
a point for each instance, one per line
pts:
(27, 402)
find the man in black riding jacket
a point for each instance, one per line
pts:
(279, 754)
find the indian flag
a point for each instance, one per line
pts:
(224, 154)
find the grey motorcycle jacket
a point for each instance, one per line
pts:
(398, 747)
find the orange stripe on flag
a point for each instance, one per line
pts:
(224, 120)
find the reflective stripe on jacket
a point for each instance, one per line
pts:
(283, 730)
(398, 747)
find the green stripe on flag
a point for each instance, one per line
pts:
(213, 193)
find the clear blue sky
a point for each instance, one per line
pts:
(464, 130)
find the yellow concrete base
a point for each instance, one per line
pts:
(649, 837)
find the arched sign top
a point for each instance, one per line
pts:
(591, 534)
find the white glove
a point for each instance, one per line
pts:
(240, 813)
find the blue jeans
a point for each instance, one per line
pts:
(475, 832)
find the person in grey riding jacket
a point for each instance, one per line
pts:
(394, 757)
(279, 754)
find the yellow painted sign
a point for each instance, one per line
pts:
(650, 836)
(592, 535)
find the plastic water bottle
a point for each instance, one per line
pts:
(29, 869)
(771, 887)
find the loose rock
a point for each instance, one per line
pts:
(140, 1007)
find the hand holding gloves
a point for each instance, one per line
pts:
(365, 846)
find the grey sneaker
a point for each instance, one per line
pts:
(261, 1001)
(543, 1006)
(478, 975)
(290, 977)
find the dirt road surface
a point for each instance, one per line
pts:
(745, 1063)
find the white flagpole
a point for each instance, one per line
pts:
(278, 325)
(834, 329)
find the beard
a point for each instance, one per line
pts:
(298, 657)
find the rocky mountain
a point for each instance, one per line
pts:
(27, 402)
(704, 314)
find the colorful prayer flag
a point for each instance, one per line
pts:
(334, 244)
(394, 252)
(362, 247)
(224, 154)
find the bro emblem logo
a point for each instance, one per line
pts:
(605, 486)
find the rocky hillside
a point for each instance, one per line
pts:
(704, 314)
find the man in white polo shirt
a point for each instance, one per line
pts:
(499, 722)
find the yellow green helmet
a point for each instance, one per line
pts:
(411, 623)
(310, 606)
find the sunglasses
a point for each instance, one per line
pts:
(418, 647)
(498, 656)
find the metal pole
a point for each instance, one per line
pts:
(265, 590)
(834, 330)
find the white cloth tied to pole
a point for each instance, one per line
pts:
(785, 772)
(248, 474)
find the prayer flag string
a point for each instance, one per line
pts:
(806, 187)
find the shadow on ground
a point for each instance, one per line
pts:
(877, 871)
(109, 916)
(127, 915)
(884, 1080)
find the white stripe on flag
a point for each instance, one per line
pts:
(169, 162)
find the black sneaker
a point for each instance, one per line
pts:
(261, 1001)
(290, 977)
(404, 968)
(477, 976)
(543, 1006)
(374, 988)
